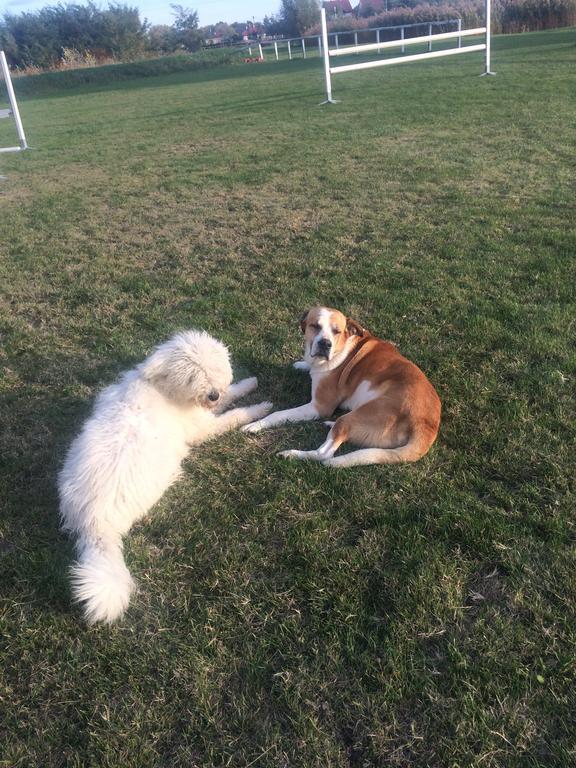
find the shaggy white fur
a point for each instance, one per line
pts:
(130, 450)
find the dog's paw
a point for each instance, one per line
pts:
(257, 412)
(294, 454)
(245, 386)
(252, 428)
(301, 365)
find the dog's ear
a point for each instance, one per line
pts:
(153, 368)
(303, 319)
(353, 328)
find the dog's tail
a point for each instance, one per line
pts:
(101, 582)
(413, 450)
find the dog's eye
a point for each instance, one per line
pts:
(316, 326)
(335, 331)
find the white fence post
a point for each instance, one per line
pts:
(320, 45)
(326, 52)
(260, 51)
(13, 107)
(289, 51)
(488, 22)
(430, 33)
(460, 30)
(378, 38)
(403, 49)
(303, 49)
(276, 49)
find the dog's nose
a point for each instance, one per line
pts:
(213, 395)
(325, 344)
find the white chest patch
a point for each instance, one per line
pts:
(363, 394)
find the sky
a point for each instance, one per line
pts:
(159, 11)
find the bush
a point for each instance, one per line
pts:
(507, 15)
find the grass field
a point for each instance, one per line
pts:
(289, 615)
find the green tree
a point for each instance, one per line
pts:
(185, 24)
(296, 16)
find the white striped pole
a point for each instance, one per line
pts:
(13, 106)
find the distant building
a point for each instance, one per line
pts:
(335, 8)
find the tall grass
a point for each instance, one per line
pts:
(44, 82)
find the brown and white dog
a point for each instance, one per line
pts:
(394, 411)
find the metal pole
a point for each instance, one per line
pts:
(403, 49)
(13, 103)
(303, 49)
(260, 50)
(378, 38)
(430, 33)
(276, 49)
(289, 51)
(326, 52)
(459, 30)
(488, 23)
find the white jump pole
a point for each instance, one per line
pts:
(289, 51)
(13, 107)
(326, 54)
(276, 49)
(488, 23)
(260, 51)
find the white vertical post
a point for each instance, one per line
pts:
(378, 38)
(402, 38)
(320, 45)
(488, 24)
(260, 51)
(289, 51)
(356, 40)
(303, 49)
(460, 30)
(276, 49)
(336, 38)
(430, 33)
(249, 51)
(13, 102)
(326, 52)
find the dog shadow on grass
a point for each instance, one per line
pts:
(40, 414)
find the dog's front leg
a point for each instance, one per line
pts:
(238, 416)
(236, 391)
(307, 412)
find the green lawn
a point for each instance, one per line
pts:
(291, 615)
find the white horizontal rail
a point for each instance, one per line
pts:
(414, 57)
(406, 41)
(11, 149)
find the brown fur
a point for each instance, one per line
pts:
(404, 415)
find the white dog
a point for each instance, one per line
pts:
(130, 450)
